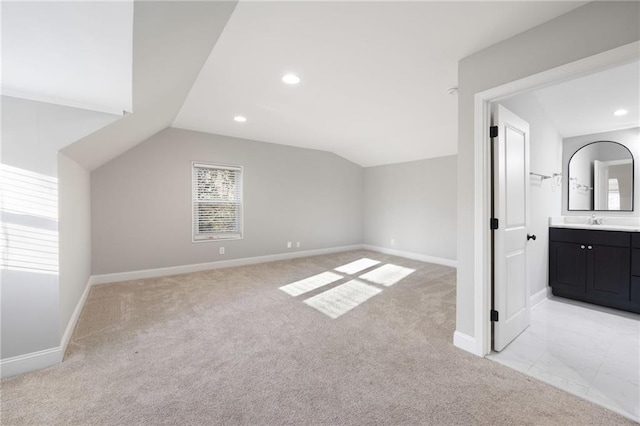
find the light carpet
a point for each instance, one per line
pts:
(228, 347)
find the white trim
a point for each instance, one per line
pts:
(48, 357)
(465, 342)
(481, 271)
(184, 269)
(414, 256)
(30, 362)
(69, 103)
(71, 325)
(538, 297)
(482, 242)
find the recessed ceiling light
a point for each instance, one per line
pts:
(240, 118)
(291, 78)
(620, 112)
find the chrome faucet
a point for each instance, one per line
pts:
(595, 220)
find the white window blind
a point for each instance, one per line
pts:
(217, 202)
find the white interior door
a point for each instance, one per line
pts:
(600, 185)
(511, 208)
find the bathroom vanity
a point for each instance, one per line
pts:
(596, 263)
(593, 258)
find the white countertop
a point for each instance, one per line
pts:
(626, 224)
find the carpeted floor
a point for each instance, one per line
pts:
(229, 347)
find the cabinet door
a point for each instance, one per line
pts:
(608, 273)
(635, 293)
(567, 268)
(635, 262)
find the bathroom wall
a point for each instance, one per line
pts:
(624, 174)
(545, 155)
(580, 170)
(627, 137)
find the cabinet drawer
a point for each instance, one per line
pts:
(635, 240)
(582, 236)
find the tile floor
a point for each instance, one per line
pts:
(590, 351)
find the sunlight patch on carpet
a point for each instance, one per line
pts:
(308, 284)
(357, 266)
(387, 275)
(343, 298)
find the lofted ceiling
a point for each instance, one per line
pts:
(374, 75)
(586, 105)
(171, 42)
(76, 54)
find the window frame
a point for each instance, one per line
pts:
(217, 237)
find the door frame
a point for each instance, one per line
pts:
(482, 169)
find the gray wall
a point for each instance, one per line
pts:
(414, 204)
(624, 174)
(627, 137)
(32, 134)
(581, 170)
(545, 157)
(141, 201)
(586, 31)
(74, 206)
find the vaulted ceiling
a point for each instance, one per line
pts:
(374, 75)
(171, 41)
(76, 54)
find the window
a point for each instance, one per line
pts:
(217, 202)
(614, 194)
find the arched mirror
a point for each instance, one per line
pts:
(601, 178)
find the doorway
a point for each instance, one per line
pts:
(481, 343)
(584, 349)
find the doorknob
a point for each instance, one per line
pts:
(531, 237)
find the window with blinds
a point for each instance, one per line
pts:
(217, 202)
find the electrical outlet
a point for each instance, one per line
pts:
(393, 241)
(221, 250)
(289, 244)
(298, 244)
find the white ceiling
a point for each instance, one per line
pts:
(585, 105)
(374, 75)
(171, 42)
(76, 54)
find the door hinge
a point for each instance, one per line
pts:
(494, 315)
(493, 131)
(493, 223)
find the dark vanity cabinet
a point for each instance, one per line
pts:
(601, 267)
(635, 268)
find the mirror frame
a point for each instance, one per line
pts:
(633, 180)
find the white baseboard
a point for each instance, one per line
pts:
(414, 256)
(71, 325)
(539, 297)
(465, 342)
(47, 357)
(185, 269)
(30, 362)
